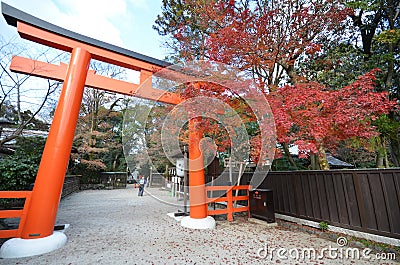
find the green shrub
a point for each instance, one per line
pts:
(18, 171)
(17, 174)
(323, 226)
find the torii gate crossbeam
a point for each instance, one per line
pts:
(41, 214)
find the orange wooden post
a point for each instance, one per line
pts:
(42, 212)
(197, 188)
(229, 205)
(248, 202)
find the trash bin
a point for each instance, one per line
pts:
(262, 204)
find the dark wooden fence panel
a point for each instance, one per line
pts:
(71, 185)
(367, 204)
(392, 206)
(323, 197)
(157, 180)
(363, 200)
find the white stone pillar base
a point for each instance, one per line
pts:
(202, 223)
(19, 248)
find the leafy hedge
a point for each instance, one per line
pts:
(17, 174)
(18, 171)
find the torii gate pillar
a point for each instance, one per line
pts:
(45, 198)
(198, 218)
(55, 157)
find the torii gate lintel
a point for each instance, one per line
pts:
(58, 73)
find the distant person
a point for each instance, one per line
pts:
(142, 182)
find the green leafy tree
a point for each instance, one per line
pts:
(18, 171)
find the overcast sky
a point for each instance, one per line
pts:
(125, 23)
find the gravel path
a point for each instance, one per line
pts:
(118, 227)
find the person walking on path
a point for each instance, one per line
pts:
(142, 183)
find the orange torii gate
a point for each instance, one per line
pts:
(39, 214)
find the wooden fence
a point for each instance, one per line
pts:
(114, 180)
(362, 200)
(71, 185)
(157, 180)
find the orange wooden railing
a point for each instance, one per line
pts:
(229, 199)
(21, 213)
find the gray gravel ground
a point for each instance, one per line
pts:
(118, 227)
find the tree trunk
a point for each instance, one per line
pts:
(390, 69)
(367, 33)
(289, 157)
(115, 163)
(314, 162)
(394, 144)
(323, 161)
(381, 153)
(386, 160)
(379, 160)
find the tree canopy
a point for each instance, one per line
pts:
(314, 59)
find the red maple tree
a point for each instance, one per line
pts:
(267, 39)
(314, 118)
